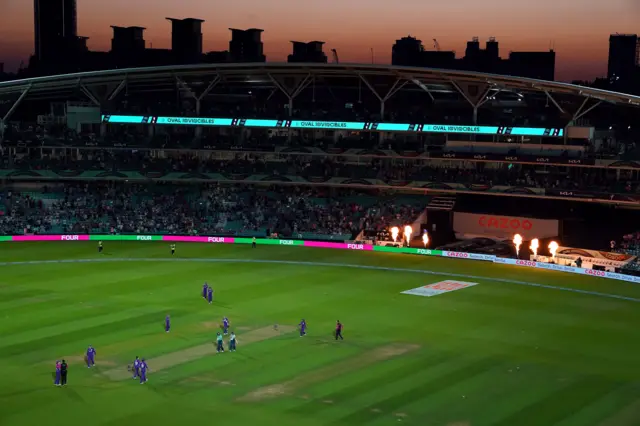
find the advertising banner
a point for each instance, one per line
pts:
(504, 227)
(511, 158)
(595, 257)
(539, 263)
(332, 125)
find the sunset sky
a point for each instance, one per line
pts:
(577, 29)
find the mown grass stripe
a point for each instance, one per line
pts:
(342, 265)
(412, 394)
(548, 411)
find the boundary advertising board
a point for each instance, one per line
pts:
(504, 227)
(318, 244)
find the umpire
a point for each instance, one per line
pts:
(63, 373)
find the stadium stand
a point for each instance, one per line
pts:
(200, 210)
(97, 176)
(630, 244)
(324, 167)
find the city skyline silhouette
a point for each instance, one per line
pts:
(581, 44)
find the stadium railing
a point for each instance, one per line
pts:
(328, 245)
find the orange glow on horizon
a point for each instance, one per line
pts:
(581, 49)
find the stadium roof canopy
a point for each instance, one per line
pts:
(292, 78)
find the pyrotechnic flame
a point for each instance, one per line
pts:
(553, 248)
(517, 241)
(425, 239)
(535, 244)
(394, 233)
(407, 232)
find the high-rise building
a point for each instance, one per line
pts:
(473, 51)
(623, 57)
(307, 52)
(246, 45)
(55, 27)
(186, 40)
(127, 39)
(128, 46)
(407, 51)
(492, 47)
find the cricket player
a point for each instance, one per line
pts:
(303, 328)
(225, 325)
(63, 373)
(136, 368)
(205, 289)
(56, 380)
(220, 347)
(253, 242)
(173, 249)
(143, 371)
(339, 330)
(100, 247)
(167, 324)
(91, 357)
(210, 295)
(232, 342)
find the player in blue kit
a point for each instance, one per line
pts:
(57, 376)
(143, 371)
(210, 295)
(303, 328)
(167, 324)
(205, 290)
(91, 357)
(136, 368)
(225, 325)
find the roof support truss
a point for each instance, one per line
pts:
(16, 104)
(580, 113)
(397, 85)
(475, 94)
(87, 92)
(553, 101)
(292, 93)
(189, 90)
(5, 118)
(118, 89)
(423, 86)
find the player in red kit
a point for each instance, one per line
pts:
(339, 330)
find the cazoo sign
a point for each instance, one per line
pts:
(504, 227)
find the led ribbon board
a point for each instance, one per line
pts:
(332, 125)
(326, 245)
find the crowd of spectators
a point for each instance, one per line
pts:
(315, 168)
(629, 244)
(191, 210)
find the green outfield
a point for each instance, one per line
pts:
(497, 353)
